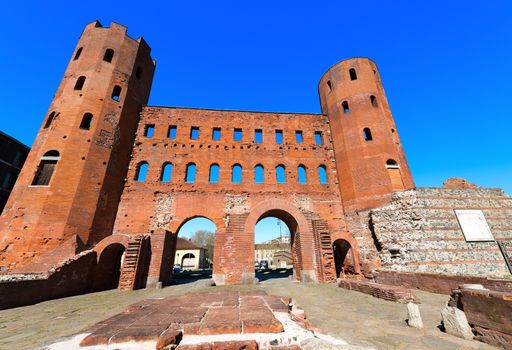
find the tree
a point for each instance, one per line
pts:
(206, 240)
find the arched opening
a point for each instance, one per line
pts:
(214, 173)
(395, 175)
(322, 174)
(275, 252)
(80, 83)
(108, 269)
(78, 53)
(46, 168)
(280, 174)
(236, 173)
(166, 174)
(301, 173)
(367, 133)
(353, 74)
(345, 107)
(373, 100)
(141, 172)
(190, 175)
(86, 122)
(116, 93)
(192, 250)
(49, 120)
(109, 54)
(343, 258)
(259, 174)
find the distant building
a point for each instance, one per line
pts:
(12, 156)
(276, 251)
(190, 256)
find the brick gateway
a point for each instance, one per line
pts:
(114, 178)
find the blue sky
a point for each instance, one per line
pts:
(445, 66)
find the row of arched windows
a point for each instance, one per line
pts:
(107, 57)
(236, 173)
(116, 91)
(346, 108)
(85, 124)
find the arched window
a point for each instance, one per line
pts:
(80, 83)
(373, 100)
(116, 93)
(367, 134)
(301, 172)
(259, 174)
(78, 53)
(280, 174)
(166, 174)
(191, 173)
(141, 172)
(322, 174)
(391, 164)
(345, 106)
(109, 54)
(236, 173)
(86, 121)
(329, 85)
(353, 74)
(49, 120)
(45, 169)
(214, 173)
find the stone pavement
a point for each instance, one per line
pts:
(355, 317)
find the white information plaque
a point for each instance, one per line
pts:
(473, 225)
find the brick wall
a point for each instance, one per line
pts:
(419, 232)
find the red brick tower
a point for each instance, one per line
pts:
(68, 191)
(370, 161)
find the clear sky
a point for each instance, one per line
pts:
(445, 66)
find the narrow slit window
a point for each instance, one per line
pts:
(216, 134)
(345, 106)
(280, 174)
(116, 93)
(237, 135)
(49, 120)
(109, 54)
(301, 173)
(236, 173)
(353, 74)
(86, 121)
(214, 173)
(367, 134)
(142, 172)
(258, 136)
(171, 132)
(373, 100)
(191, 173)
(80, 83)
(298, 136)
(318, 138)
(322, 174)
(194, 133)
(78, 53)
(279, 137)
(149, 130)
(46, 168)
(166, 174)
(259, 174)
(329, 85)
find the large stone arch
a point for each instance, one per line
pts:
(304, 259)
(110, 253)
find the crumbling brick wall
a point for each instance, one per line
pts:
(419, 232)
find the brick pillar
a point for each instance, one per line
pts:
(163, 246)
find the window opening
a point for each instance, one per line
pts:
(367, 134)
(280, 174)
(237, 135)
(353, 74)
(80, 83)
(279, 137)
(166, 175)
(78, 53)
(236, 176)
(194, 133)
(214, 173)
(86, 121)
(322, 174)
(171, 132)
(259, 174)
(142, 172)
(46, 168)
(345, 106)
(149, 130)
(216, 134)
(116, 93)
(318, 138)
(109, 54)
(49, 120)
(298, 136)
(191, 173)
(258, 135)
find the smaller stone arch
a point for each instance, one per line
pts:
(346, 259)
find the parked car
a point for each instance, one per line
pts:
(263, 264)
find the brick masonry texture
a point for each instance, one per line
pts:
(419, 232)
(98, 199)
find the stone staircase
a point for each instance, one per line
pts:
(131, 263)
